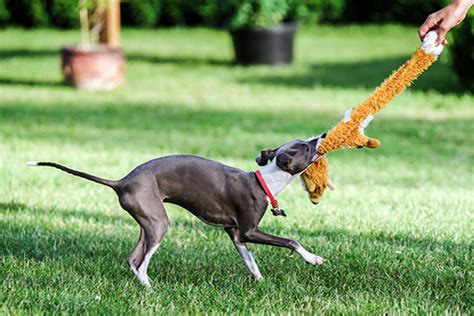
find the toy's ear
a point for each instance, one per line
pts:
(265, 156)
(373, 143)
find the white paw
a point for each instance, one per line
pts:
(258, 276)
(313, 259)
(309, 257)
(141, 276)
(144, 280)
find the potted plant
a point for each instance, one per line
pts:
(97, 63)
(262, 31)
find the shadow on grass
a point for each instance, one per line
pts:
(28, 53)
(362, 74)
(177, 60)
(32, 83)
(169, 128)
(15, 207)
(133, 57)
(371, 263)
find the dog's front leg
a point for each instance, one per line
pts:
(258, 237)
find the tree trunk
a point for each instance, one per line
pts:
(110, 34)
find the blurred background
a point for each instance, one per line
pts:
(100, 22)
(102, 86)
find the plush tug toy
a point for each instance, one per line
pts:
(349, 133)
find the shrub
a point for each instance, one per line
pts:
(28, 13)
(142, 13)
(4, 14)
(64, 13)
(462, 50)
(266, 13)
(211, 12)
(172, 12)
(207, 12)
(228, 13)
(197, 12)
(259, 13)
(400, 11)
(301, 10)
(329, 11)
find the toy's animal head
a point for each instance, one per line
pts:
(316, 176)
(293, 157)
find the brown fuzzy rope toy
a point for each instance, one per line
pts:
(349, 133)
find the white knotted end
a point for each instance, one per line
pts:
(363, 125)
(429, 43)
(31, 163)
(347, 115)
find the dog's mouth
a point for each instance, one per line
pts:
(318, 140)
(316, 157)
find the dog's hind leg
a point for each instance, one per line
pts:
(137, 254)
(150, 213)
(244, 253)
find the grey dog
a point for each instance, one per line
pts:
(218, 194)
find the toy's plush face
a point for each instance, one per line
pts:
(293, 157)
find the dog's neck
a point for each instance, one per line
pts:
(276, 178)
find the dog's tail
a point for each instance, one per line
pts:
(110, 183)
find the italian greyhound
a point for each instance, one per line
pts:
(218, 194)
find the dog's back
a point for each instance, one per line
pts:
(207, 188)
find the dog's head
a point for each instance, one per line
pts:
(293, 157)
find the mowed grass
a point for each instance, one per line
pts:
(396, 234)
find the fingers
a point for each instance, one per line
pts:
(443, 20)
(443, 28)
(428, 25)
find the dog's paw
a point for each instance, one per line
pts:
(315, 260)
(309, 257)
(258, 277)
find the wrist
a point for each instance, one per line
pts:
(462, 5)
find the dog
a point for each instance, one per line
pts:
(218, 194)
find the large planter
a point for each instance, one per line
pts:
(97, 67)
(264, 45)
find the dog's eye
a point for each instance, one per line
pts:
(292, 152)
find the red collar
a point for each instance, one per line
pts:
(275, 209)
(265, 188)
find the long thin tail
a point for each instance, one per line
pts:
(110, 183)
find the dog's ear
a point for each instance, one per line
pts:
(284, 161)
(265, 156)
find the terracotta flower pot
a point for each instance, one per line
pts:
(264, 45)
(97, 67)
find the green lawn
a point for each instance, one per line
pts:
(397, 233)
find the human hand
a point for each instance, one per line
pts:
(445, 19)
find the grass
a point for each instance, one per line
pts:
(397, 233)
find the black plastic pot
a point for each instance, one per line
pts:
(264, 45)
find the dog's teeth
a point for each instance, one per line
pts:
(32, 163)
